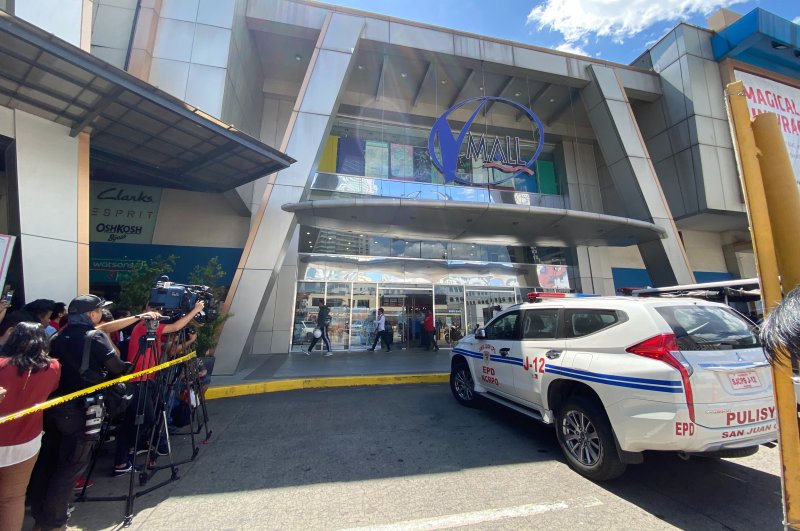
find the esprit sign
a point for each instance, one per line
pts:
(123, 213)
(496, 152)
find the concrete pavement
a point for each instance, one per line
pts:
(409, 457)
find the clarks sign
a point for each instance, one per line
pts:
(501, 153)
(123, 213)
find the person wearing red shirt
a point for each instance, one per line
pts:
(429, 329)
(143, 355)
(29, 376)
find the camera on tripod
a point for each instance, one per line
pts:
(174, 300)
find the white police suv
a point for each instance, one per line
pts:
(620, 375)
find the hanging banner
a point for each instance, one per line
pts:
(765, 95)
(122, 213)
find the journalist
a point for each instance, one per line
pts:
(87, 358)
(144, 355)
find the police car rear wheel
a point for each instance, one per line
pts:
(462, 385)
(587, 441)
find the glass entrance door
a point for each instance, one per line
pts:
(405, 309)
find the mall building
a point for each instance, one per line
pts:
(411, 167)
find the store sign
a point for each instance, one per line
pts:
(491, 152)
(765, 95)
(111, 270)
(123, 213)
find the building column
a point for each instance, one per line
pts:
(272, 229)
(583, 186)
(633, 174)
(47, 191)
(51, 203)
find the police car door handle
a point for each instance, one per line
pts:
(504, 351)
(552, 354)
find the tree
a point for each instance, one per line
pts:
(210, 276)
(135, 292)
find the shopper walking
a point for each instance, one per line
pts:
(380, 332)
(429, 332)
(323, 322)
(29, 376)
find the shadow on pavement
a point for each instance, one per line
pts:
(321, 436)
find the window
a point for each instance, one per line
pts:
(584, 322)
(504, 327)
(540, 324)
(709, 328)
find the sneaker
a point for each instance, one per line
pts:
(371, 349)
(81, 483)
(304, 351)
(329, 353)
(124, 470)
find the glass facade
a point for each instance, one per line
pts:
(464, 283)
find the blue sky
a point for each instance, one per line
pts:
(614, 30)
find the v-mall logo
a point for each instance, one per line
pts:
(502, 153)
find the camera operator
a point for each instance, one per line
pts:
(87, 358)
(144, 355)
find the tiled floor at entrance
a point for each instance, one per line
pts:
(343, 363)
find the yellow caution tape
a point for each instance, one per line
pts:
(89, 390)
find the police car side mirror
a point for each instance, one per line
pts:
(480, 333)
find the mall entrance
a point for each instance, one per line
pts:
(457, 311)
(405, 309)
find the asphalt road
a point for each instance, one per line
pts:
(409, 457)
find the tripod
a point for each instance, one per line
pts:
(153, 397)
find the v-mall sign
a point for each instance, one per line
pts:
(498, 153)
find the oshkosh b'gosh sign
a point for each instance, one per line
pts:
(498, 153)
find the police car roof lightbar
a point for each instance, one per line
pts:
(535, 296)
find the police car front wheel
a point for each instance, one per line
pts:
(587, 441)
(462, 385)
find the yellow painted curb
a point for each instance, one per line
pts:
(274, 386)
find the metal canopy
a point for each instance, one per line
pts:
(139, 134)
(492, 223)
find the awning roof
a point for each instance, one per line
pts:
(499, 224)
(140, 134)
(762, 39)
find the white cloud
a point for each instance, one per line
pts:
(796, 20)
(571, 47)
(618, 19)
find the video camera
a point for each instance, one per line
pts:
(173, 299)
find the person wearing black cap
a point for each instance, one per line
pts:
(87, 357)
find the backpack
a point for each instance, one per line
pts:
(117, 397)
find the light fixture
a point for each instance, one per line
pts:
(309, 241)
(298, 58)
(330, 238)
(308, 233)
(443, 81)
(552, 100)
(361, 67)
(778, 45)
(480, 88)
(403, 74)
(518, 94)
